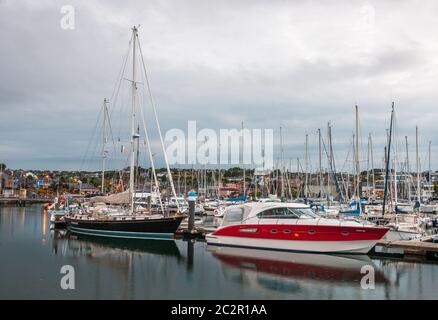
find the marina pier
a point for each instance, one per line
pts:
(21, 202)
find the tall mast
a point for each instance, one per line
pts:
(395, 165)
(329, 147)
(298, 177)
(408, 169)
(137, 158)
(179, 181)
(255, 185)
(243, 164)
(320, 162)
(204, 176)
(219, 178)
(151, 159)
(354, 169)
(213, 179)
(105, 101)
(282, 164)
(372, 163)
(368, 165)
(306, 166)
(430, 172)
(133, 134)
(387, 156)
(418, 165)
(185, 182)
(357, 156)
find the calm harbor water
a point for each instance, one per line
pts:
(32, 256)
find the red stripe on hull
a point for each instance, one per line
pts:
(302, 232)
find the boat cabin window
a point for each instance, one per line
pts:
(304, 213)
(287, 213)
(274, 213)
(233, 216)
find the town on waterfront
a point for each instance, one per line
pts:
(16, 184)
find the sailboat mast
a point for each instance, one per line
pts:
(387, 156)
(282, 164)
(137, 158)
(320, 162)
(357, 155)
(133, 134)
(368, 164)
(185, 182)
(219, 178)
(243, 164)
(204, 176)
(408, 170)
(372, 163)
(298, 177)
(395, 167)
(104, 144)
(306, 166)
(329, 158)
(430, 172)
(418, 165)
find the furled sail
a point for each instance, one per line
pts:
(117, 198)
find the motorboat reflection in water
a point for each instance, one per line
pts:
(297, 265)
(293, 227)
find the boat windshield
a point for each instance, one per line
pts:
(287, 213)
(181, 201)
(233, 216)
(303, 213)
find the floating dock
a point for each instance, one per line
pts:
(197, 232)
(21, 202)
(424, 249)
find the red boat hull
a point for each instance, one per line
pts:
(307, 238)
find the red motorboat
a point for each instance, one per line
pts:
(292, 227)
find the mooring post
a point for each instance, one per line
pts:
(149, 203)
(192, 202)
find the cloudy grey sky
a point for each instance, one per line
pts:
(297, 64)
